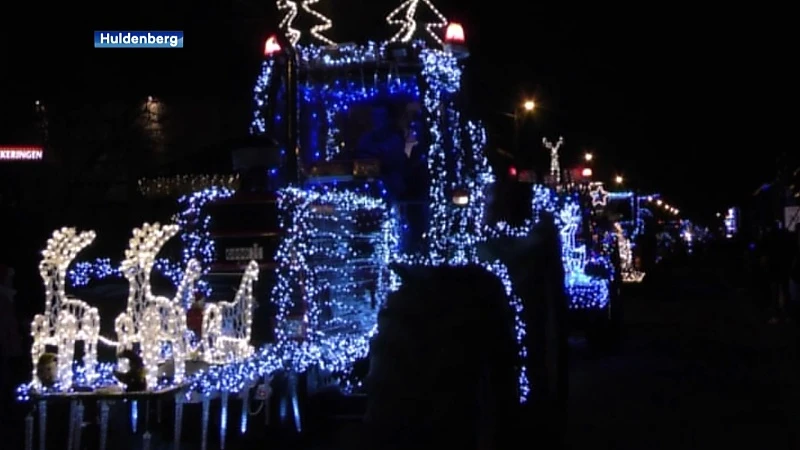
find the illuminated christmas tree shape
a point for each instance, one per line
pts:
(285, 24)
(325, 25)
(555, 167)
(408, 22)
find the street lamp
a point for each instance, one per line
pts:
(524, 109)
(588, 157)
(529, 105)
(618, 179)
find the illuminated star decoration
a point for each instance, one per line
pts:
(316, 30)
(290, 7)
(408, 23)
(599, 195)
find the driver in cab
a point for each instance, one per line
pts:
(385, 142)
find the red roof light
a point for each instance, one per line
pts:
(455, 34)
(271, 46)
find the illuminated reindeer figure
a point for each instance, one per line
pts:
(65, 319)
(574, 256)
(555, 166)
(227, 325)
(152, 321)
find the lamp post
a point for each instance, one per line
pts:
(527, 107)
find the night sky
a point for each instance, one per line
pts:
(673, 97)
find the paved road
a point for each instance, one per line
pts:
(699, 368)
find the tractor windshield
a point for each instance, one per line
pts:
(368, 110)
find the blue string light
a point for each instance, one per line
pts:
(195, 239)
(328, 101)
(587, 273)
(335, 256)
(85, 272)
(103, 378)
(260, 94)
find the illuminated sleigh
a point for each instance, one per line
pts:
(153, 321)
(227, 326)
(585, 291)
(65, 319)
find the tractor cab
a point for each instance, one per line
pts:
(359, 156)
(364, 118)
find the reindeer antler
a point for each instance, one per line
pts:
(61, 250)
(553, 145)
(145, 244)
(64, 246)
(569, 214)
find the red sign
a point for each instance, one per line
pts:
(21, 153)
(576, 175)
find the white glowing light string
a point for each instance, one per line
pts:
(65, 319)
(152, 321)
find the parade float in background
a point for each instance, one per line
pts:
(592, 247)
(632, 213)
(307, 229)
(731, 222)
(647, 219)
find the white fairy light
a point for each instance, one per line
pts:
(325, 25)
(629, 273)
(150, 320)
(285, 24)
(227, 326)
(65, 319)
(408, 22)
(574, 255)
(555, 167)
